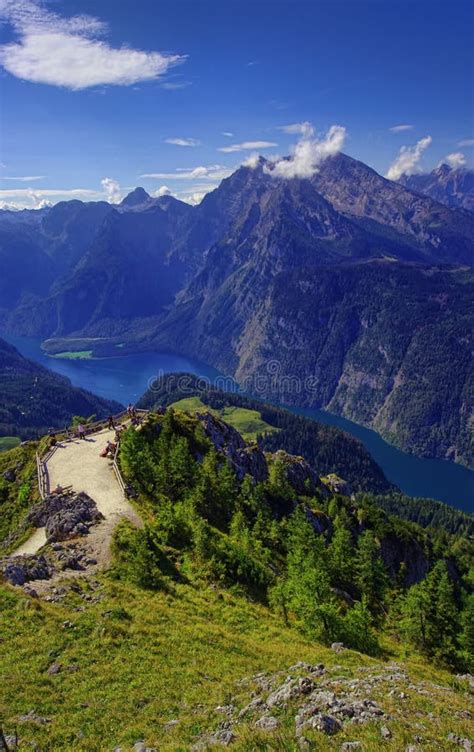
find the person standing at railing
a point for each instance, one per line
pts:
(111, 423)
(81, 431)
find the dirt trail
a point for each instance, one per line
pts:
(78, 464)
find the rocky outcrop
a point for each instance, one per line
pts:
(65, 515)
(245, 459)
(299, 473)
(324, 699)
(21, 569)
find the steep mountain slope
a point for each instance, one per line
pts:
(37, 247)
(392, 212)
(33, 398)
(130, 271)
(153, 247)
(385, 344)
(451, 186)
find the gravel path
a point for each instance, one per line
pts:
(78, 464)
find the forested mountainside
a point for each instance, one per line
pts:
(347, 279)
(327, 449)
(453, 186)
(386, 345)
(33, 399)
(267, 522)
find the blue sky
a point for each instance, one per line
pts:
(96, 95)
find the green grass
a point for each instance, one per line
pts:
(17, 496)
(74, 355)
(147, 658)
(9, 442)
(248, 423)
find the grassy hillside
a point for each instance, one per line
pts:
(18, 490)
(8, 442)
(144, 659)
(233, 581)
(248, 423)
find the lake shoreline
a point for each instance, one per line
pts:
(124, 377)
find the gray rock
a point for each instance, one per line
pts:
(283, 694)
(13, 742)
(347, 746)
(338, 647)
(256, 704)
(55, 668)
(170, 724)
(304, 744)
(33, 717)
(225, 709)
(65, 515)
(223, 736)
(466, 744)
(305, 685)
(326, 723)
(385, 732)
(21, 569)
(268, 723)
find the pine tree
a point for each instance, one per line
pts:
(467, 633)
(341, 555)
(307, 583)
(371, 577)
(358, 632)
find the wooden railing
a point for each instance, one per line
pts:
(43, 477)
(117, 472)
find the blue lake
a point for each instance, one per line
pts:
(126, 378)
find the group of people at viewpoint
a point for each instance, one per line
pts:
(80, 431)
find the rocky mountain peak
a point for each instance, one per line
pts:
(137, 197)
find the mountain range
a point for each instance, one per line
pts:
(355, 289)
(451, 186)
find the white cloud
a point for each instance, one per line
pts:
(182, 141)
(227, 134)
(466, 142)
(308, 153)
(196, 193)
(456, 159)
(65, 51)
(162, 191)
(175, 85)
(194, 198)
(112, 190)
(32, 198)
(305, 128)
(251, 161)
(211, 172)
(247, 146)
(401, 128)
(23, 178)
(408, 158)
(6, 206)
